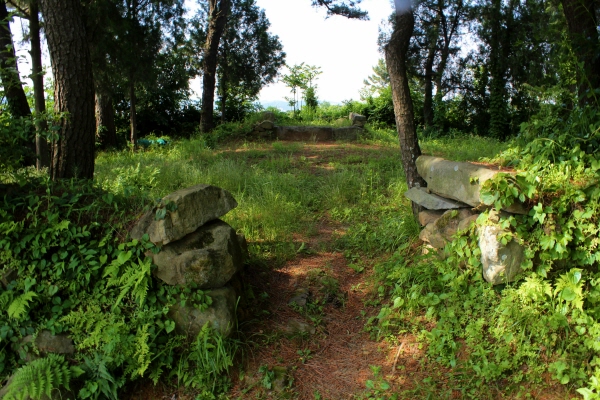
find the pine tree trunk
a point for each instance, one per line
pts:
(132, 114)
(583, 35)
(13, 89)
(42, 150)
(73, 152)
(428, 96)
(217, 18)
(395, 58)
(106, 130)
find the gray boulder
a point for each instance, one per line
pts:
(440, 232)
(46, 342)
(460, 181)
(183, 212)
(428, 216)
(431, 201)
(208, 257)
(268, 116)
(501, 263)
(357, 119)
(189, 320)
(266, 125)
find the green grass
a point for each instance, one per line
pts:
(283, 189)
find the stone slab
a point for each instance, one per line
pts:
(432, 201)
(459, 181)
(193, 207)
(357, 119)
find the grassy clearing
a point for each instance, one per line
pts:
(281, 188)
(285, 191)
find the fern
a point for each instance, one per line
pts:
(40, 377)
(5, 298)
(19, 306)
(135, 278)
(142, 353)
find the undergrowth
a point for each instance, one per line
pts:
(547, 322)
(68, 268)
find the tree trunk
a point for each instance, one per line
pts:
(13, 89)
(73, 152)
(581, 22)
(42, 150)
(132, 114)
(428, 96)
(217, 17)
(223, 84)
(395, 58)
(106, 130)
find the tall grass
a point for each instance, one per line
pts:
(281, 192)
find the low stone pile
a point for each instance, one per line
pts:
(197, 248)
(452, 203)
(266, 129)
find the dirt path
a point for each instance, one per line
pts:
(318, 339)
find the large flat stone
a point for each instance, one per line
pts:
(432, 201)
(192, 207)
(460, 181)
(208, 257)
(357, 119)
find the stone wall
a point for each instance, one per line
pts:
(452, 204)
(267, 129)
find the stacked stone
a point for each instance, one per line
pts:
(264, 129)
(197, 248)
(451, 201)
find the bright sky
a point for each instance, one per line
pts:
(346, 50)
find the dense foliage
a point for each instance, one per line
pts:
(68, 269)
(546, 321)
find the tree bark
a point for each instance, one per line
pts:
(217, 18)
(395, 58)
(9, 73)
(132, 114)
(106, 130)
(583, 35)
(42, 150)
(428, 96)
(73, 152)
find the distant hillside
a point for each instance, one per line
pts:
(284, 106)
(280, 104)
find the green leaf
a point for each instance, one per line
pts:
(161, 213)
(568, 294)
(169, 326)
(19, 306)
(487, 198)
